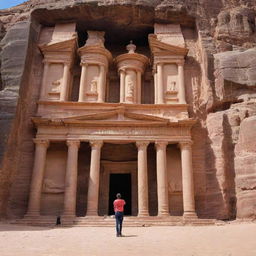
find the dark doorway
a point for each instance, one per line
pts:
(120, 183)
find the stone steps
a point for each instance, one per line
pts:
(50, 221)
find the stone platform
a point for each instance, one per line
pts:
(109, 221)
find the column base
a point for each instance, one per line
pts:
(91, 214)
(189, 216)
(143, 214)
(163, 214)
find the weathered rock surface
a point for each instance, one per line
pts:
(245, 166)
(221, 64)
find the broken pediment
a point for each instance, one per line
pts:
(68, 45)
(160, 48)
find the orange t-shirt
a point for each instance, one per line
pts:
(119, 205)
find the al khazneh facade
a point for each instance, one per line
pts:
(90, 148)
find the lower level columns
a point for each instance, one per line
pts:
(187, 179)
(162, 186)
(94, 179)
(37, 177)
(71, 179)
(142, 179)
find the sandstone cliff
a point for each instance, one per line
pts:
(221, 36)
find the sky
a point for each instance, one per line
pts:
(9, 3)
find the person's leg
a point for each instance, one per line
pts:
(121, 223)
(117, 224)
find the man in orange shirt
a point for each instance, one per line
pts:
(119, 213)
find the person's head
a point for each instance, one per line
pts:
(118, 195)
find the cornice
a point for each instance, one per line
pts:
(107, 105)
(160, 48)
(66, 46)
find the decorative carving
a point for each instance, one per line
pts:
(56, 86)
(71, 142)
(161, 145)
(130, 87)
(171, 85)
(50, 186)
(142, 144)
(131, 47)
(43, 142)
(94, 84)
(96, 144)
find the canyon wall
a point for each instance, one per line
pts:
(220, 72)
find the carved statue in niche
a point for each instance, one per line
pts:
(130, 87)
(174, 187)
(56, 86)
(94, 84)
(50, 186)
(171, 85)
(130, 84)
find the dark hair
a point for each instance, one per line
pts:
(118, 195)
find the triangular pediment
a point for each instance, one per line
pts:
(115, 116)
(159, 48)
(67, 45)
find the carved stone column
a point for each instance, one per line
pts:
(37, 177)
(82, 87)
(94, 179)
(122, 85)
(138, 100)
(155, 88)
(71, 179)
(187, 179)
(162, 186)
(182, 97)
(101, 84)
(160, 89)
(142, 178)
(64, 87)
(45, 75)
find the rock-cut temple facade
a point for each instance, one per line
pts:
(151, 99)
(88, 148)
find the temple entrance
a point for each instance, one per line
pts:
(120, 183)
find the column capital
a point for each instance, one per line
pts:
(43, 142)
(142, 144)
(46, 62)
(180, 62)
(73, 142)
(161, 144)
(122, 70)
(185, 144)
(83, 64)
(97, 144)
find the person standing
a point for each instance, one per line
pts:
(119, 213)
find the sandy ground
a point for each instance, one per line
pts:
(227, 240)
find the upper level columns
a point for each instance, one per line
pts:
(37, 177)
(64, 88)
(71, 179)
(181, 91)
(187, 179)
(142, 178)
(162, 188)
(82, 87)
(159, 87)
(94, 179)
(102, 76)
